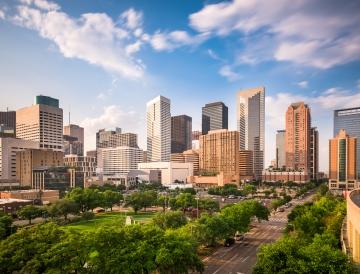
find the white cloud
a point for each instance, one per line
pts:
(303, 84)
(168, 41)
(227, 72)
(93, 37)
(315, 33)
(2, 14)
(321, 110)
(133, 19)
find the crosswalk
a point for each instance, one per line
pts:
(278, 219)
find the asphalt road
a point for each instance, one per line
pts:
(241, 257)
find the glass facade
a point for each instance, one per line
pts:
(342, 160)
(349, 119)
(46, 100)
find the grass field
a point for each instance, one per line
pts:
(109, 219)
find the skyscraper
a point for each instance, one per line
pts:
(7, 123)
(214, 116)
(219, 152)
(280, 149)
(298, 129)
(42, 122)
(314, 153)
(115, 138)
(74, 144)
(158, 118)
(251, 125)
(181, 130)
(342, 161)
(349, 119)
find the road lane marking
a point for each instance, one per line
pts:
(233, 257)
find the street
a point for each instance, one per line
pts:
(241, 257)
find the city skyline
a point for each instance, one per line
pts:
(326, 76)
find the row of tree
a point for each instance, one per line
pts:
(312, 241)
(231, 189)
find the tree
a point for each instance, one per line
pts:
(171, 219)
(30, 212)
(5, 225)
(184, 200)
(65, 207)
(212, 229)
(208, 204)
(111, 198)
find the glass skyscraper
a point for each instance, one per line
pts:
(349, 119)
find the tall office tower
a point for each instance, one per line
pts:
(219, 152)
(349, 119)
(8, 124)
(251, 125)
(246, 165)
(280, 149)
(42, 122)
(8, 149)
(119, 160)
(73, 140)
(115, 138)
(314, 153)
(214, 116)
(158, 129)
(195, 135)
(297, 144)
(181, 130)
(342, 161)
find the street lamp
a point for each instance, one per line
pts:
(197, 207)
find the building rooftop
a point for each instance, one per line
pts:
(26, 191)
(6, 201)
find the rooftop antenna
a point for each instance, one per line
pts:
(69, 113)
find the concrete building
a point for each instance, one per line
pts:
(285, 176)
(11, 206)
(115, 138)
(119, 160)
(45, 196)
(349, 119)
(342, 162)
(246, 165)
(214, 117)
(8, 124)
(30, 159)
(188, 156)
(42, 122)
(314, 153)
(181, 130)
(196, 135)
(298, 129)
(219, 152)
(82, 164)
(212, 181)
(158, 119)
(169, 172)
(73, 140)
(353, 225)
(8, 149)
(251, 125)
(280, 149)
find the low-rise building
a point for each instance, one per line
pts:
(170, 172)
(31, 194)
(220, 179)
(188, 156)
(10, 206)
(30, 159)
(285, 176)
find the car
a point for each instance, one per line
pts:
(231, 197)
(229, 242)
(239, 237)
(280, 209)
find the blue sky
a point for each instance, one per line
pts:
(105, 59)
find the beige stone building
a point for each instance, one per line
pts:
(342, 162)
(31, 194)
(246, 165)
(219, 152)
(29, 159)
(188, 156)
(41, 122)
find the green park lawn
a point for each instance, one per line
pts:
(109, 219)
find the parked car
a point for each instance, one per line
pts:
(280, 209)
(239, 237)
(229, 241)
(231, 197)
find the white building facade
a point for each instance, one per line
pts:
(118, 160)
(170, 171)
(158, 118)
(251, 125)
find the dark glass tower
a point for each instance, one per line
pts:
(214, 116)
(181, 130)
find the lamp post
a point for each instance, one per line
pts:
(197, 207)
